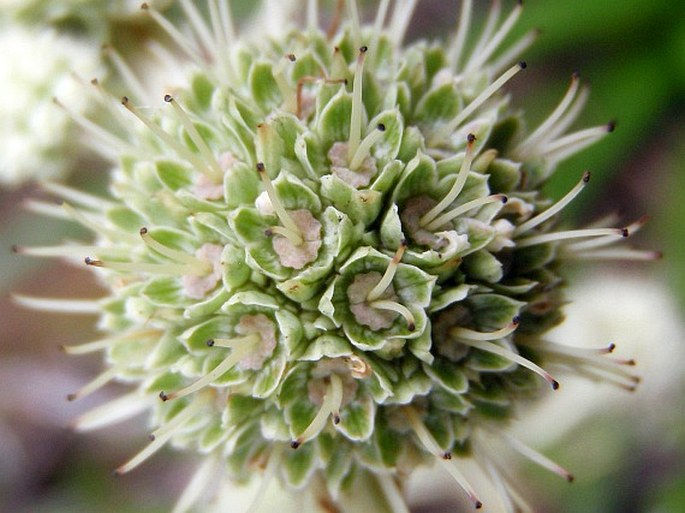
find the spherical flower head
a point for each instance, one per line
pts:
(36, 135)
(346, 263)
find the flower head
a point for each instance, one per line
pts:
(346, 263)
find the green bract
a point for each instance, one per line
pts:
(330, 257)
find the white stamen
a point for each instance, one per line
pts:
(392, 493)
(290, 97)
(572, 143)
(513, 51)
(200, 267)
(237, 353)
(95, 385)
(364, 149)
(387, 278)
(67, 306)
(125, 71)
(444, 458)
(483, 96)
(540, 134)
(381, 14)
(104, 343)
(399, 308)
(480, 57)
(353, 14)
(76, 197)
(213, 164)
(554, 209)
(312, 15)
(182, 150)
(199, 26)
(457, 46)
(571, 234)
(456, 187)
(480, 341)
(112, 143)
(494, 13)
(112, 412)
(470, 205)
(161, 437)
(357, 106)
(146, 267)
(330, 406)
(96, 225)
(613, 254)
(275, 460)
(291, 232)
(599, 242)
(204, 476)
(401, 16)
(182, 41)
(536, 457)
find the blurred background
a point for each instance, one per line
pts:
(626, 450)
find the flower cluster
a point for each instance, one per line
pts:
(329, 257)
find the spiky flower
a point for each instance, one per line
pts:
(329, 258)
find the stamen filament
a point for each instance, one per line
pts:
(353, 15)
(574, 142)
(357, 105)
(125, 71)
(290, 98)
(632, 228)
(394, 306)
(272, 466)
(330, 406)
(202, 267)
(389, 274)
(513, 51)
(95, 385)
(381, 14)
(104, 343)
(146, 267)
(456, 212)
(162, 437)
(214, 168)
(392, 493)
(231, 343)
(456, 187)
(491, 347)
(182, 151)
(364, 148)
(76, 197)
(537, 457)
(182, 41)
(111, 412)
(312, 15)
(199, 26)
(401, 16)
(571, 234)
(483, 96)
(444, 458)
(462, 30)
(237, 353)
(554, 209)
(95, 225)
(293, 233)
(62, 251)
(197, 486)
(615, 254)
(541, 132)
(479, 58)
(468, 334)
(67, 306)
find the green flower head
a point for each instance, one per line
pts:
(329, 258)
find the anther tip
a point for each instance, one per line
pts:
(363, 49)
(295, 444)
(336, 419)
(625, 232)
(210, 342)
(570, 478)
(411, 326)
(144, 6)
(504, 199)
(151, 437)
(478, 504)
(611, 126)
(575, 75)
(260, 167)
(404, 243)
(381, 127)
(586, 176)
(124, 100)
(71, 397)
(15, 248)
(94, 81)
(516, 320)
(523, 64)
(555, 384)
(163, 396)
(143, 230)
(471, 138)
(168, 98)
(446, 455)
(611, 347)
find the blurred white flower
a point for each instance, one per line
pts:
(641, 317)
(36, 136)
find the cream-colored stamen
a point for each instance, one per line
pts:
(330, 406)
(364, 148)
(554, 209)
(456, 212)
(545, 238)
(385, 281)
(357, 106)
(456, 187)
(291, 232)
